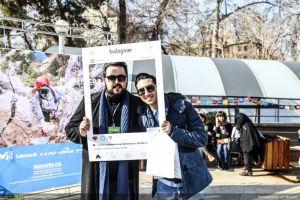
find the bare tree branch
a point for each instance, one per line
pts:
(245, 6)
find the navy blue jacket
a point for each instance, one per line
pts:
(189, 133)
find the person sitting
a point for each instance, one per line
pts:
(209, 129)
(222, 134)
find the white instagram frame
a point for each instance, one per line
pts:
(98, 143)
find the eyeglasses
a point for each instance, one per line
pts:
(112, 78)
(149, 88)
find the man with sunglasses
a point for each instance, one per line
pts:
(114, 111)
(184, 127)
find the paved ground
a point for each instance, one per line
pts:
(263, 185)
(226, 185)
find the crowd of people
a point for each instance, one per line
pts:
(240, 138)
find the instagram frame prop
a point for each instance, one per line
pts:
(120, 146)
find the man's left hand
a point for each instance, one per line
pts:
(166, 127)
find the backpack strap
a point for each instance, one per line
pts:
(41, 99)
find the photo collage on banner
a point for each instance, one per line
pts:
(38, 93)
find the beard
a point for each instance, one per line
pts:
(115, 95)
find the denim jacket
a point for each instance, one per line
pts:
(189, 133)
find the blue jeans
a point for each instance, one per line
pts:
(198, 196)
(165, 192)
(222, 154)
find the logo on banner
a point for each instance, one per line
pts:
(7, 155)
(119, 51)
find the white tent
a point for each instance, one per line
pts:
(229, 77)
(226, 77)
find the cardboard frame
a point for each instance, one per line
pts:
(120, 53)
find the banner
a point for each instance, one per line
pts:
(26, 169)
(38, 93)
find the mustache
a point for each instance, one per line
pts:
(117, 85)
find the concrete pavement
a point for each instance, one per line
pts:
(262, 185)
(226, 185)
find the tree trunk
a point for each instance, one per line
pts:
(294, 46)
(215, 36)
(294, 39)
(122, 22)
(27, 42)
(8, 39)
(157, 30)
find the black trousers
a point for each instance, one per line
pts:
(46, 116)
(248, 160)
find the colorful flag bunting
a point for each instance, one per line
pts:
(225, 101)
(255, 100)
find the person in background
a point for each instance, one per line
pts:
(184, 127)
(114, 111)
(251, 142)
(222, 134)
(209, 129)
(47, 104)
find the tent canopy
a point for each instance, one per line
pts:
(201, 76)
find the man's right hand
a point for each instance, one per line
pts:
(84, 127)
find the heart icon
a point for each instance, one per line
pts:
(94, 137)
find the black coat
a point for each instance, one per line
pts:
(250, 138)
(90, 170)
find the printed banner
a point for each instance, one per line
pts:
(38, 93)
(25, 169)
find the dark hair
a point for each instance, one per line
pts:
(202, 114)
(141, 76)
(119, 64)
(221, 113)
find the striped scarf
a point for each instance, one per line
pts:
(122, 181)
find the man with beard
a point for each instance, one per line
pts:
(114, 110)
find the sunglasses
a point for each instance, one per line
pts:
(43, 91)
(112, 78)
(149, 88)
